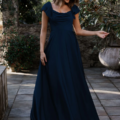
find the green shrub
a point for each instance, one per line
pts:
(21, 51)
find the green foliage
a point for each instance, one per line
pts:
(29, 11)
(103, 13)
(38, 12)
(105, 16)
(21, 51)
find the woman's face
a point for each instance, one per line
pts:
(66, 1)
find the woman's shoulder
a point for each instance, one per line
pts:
(75, 9)
(47, 8)
(47, 4)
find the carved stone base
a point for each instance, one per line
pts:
(111, 73)
(109, 57)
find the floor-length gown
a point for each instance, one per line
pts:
(61, 91)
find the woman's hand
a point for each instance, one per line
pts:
(43, 58)
(101, 34)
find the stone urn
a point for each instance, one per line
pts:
(110, 58)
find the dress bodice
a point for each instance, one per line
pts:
(60, 20)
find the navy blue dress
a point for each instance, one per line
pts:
(61, 91)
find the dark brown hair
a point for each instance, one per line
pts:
(70, 4)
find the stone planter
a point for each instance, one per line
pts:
(14, 70)
(3, 91)
(109, 57)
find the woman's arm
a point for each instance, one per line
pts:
(79, 31)
(43, 37)
(43, 32)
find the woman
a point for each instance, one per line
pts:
(61, 91)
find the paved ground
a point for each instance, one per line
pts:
(105, 93)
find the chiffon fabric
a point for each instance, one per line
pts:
(61, 91)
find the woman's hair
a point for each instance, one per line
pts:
(70, 4)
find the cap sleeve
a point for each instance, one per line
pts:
(47, 9)
(75, 9)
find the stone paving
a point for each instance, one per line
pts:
(105, 93)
